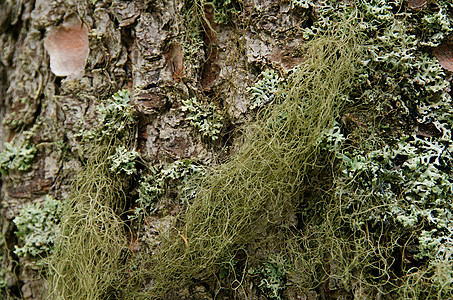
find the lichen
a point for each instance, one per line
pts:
(396, 182)
(265, 90)
(164, 178)
(37, 228)
(414, 181)
(18, 158)
(273, 279)
(206, 118)
(123, 160)
(224, 10)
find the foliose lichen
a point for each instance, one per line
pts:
(161, 179)
(37, 228)
(123, 160)
(206, 118)
(265, 90)
(17, 157)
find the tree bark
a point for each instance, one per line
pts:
(136, 45)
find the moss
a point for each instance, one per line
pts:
(88, 259)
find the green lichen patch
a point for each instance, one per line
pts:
(17, 158)
(162, 179)
(273, 279)
(123, 160)
(206, 118)
(394, 183)
(401, 192)
(225, 10)
(37, 228)
(116, 118)
(302, 3)
(265, 90)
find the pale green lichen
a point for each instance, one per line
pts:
(413, 178)
(302, 3)
(116, 117)
(396, 69)
(206, 118)
(161, 179)
(435, 24)
(17, 157)
(265, 90)
(37, 228)
(273, 279)
(117, 114)
(400, 189)
(224, 10)
(123, 161)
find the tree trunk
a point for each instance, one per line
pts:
(160, 53)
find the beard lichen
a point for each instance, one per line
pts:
(89, 257)
(253, 197)
(301, 197)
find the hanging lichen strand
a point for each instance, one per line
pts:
(258, 190)
(88, 262)
(310, 199)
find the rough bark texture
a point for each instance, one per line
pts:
(134, 45)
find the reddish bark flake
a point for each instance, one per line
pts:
(175, 60)
(444, 54)
(67, 46)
